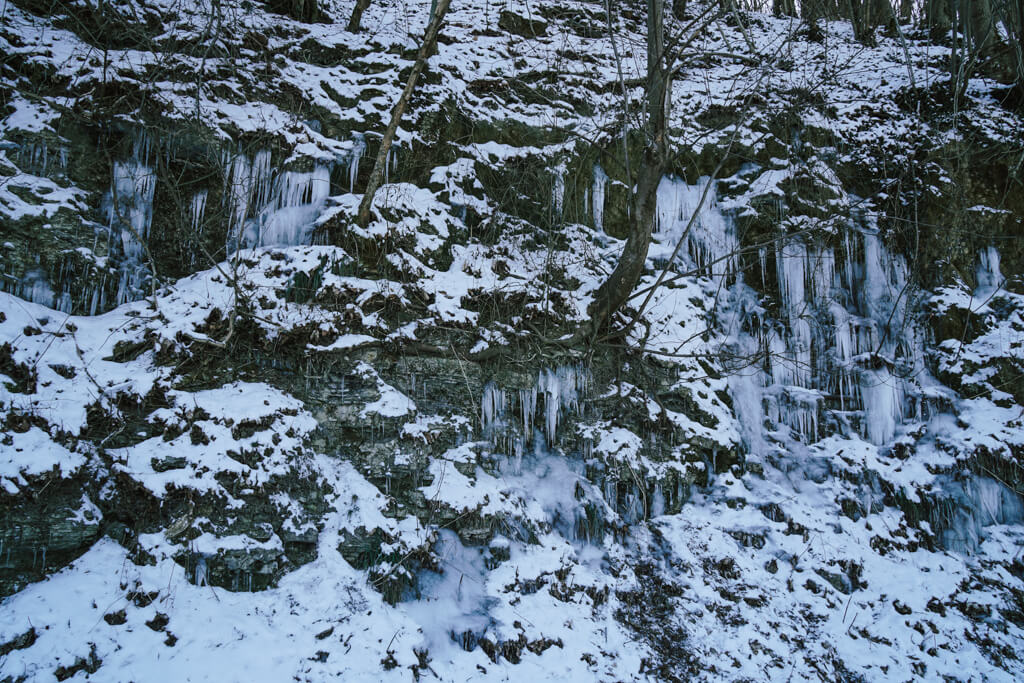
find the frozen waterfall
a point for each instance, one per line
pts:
(129, 208)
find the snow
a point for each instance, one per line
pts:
(32, 454)
(768, 480)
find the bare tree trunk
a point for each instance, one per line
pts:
(939, 17)
(377, 175)
(355, 22)
(615, 291)
(1012, 12)
(982, 26)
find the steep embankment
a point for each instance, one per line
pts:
(245, 439)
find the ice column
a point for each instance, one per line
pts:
(883, 404)
(197, 210)
(987, 271)
(492, 406)
(597, 196)
(711, 240)
(130, 214)
(355, 156)
(558, 191)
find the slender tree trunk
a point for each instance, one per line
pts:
(615, 291)
(1013, 14)
(377, 175)
(355, 22)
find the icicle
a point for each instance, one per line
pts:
(598, 195)
(547, 384)
(823, 267)
(492, 407)
(844, 352)
(987, 271)
(800, 352)
(528, 406)
(883, 405)
(791, 261)
(558, 191)
(197, 210)
(392, 164)
(355, 156)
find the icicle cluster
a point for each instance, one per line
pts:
(555, 393)
(268, 208)
(987, 271)
(711, 241)
(843, 341)
(129, 207)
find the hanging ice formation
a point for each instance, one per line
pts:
(558, 190)
(268, 208)
(843, 344)
(711, 240)
(492, 407)
(39, 158)
(987, 271)
(555, 393)
(129, 208)
(356, 155)
(964, 507)
(35, 288)
(847, 336)
(197, 211)
(597, 196)
(248, 185)
(512, 419)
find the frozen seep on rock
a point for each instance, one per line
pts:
(245, 436)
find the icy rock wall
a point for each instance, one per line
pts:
(843, 352)
(259, 202)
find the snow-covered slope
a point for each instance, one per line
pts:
(244, 438)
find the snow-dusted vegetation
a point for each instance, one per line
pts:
(247, 435)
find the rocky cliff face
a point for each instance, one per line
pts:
(295, 448)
